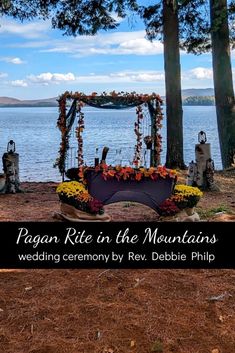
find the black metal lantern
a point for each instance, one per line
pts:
(148, 140)
(202, 137)
(11, 147)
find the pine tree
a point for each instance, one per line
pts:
(222, 72)
(167, 20)
(217, 36)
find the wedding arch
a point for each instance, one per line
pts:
(120, 101)
(147, 186)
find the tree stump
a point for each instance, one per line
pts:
(203, 154)
(2, 183)
(11, 169)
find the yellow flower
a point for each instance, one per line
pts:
(188, 190)
(71, 188)
(186, 196)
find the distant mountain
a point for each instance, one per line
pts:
(52, 102)
(13, 102)
(8, 100)
(198, 92)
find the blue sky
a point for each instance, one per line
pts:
(38, 62)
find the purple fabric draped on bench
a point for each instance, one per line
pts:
(148, 192)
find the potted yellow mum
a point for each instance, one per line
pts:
(77, 203)
(186, 197)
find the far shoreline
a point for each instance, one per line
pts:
(55, 105)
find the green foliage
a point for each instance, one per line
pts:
(209, 213)
(194, 23)
(27, 10)
(83, 17)
(74, 17)
(199, 100)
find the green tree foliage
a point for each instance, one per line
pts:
(206, 26)
(74, 17)
(199, 100)
(200, 26)
(166, 20)
(218, 35)
(223, 83)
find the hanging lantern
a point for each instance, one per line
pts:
(148, 140)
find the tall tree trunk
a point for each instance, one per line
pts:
(224, 93)
(174, 112)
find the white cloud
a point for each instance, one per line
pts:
(12, 60)
(19, 83)
(26, 30)
(123, 76)
(197, 77)
(118, 43)
(201, 73)
(46, 78)
(16, 61)
(3, 74)
(140, 46)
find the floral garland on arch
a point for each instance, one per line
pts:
(138, 146)
(64, 145)
(157, 117)
(79, 131)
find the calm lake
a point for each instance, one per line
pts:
(37, 137)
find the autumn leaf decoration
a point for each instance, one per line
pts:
(79, 131)
(129, 173)
(138, 146)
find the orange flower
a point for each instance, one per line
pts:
(128, 170)
(111, 173)
(138, 176)
(104, 166)
(118, 168)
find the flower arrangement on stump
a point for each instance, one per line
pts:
(168, 208)
(75, 194)
(184, 198)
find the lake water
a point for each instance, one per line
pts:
(37, 138)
